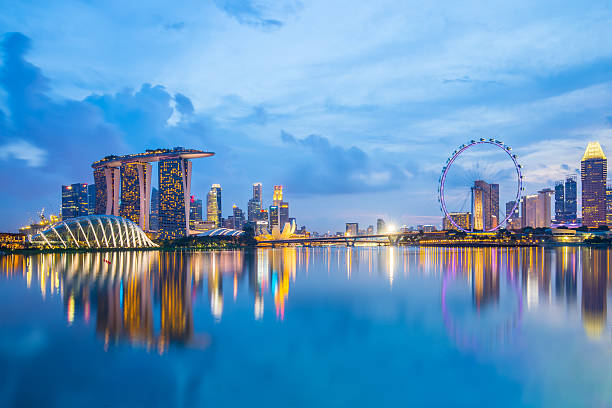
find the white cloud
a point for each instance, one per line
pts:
(23, 150)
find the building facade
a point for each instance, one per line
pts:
(174, 197)
(107, 180)
(536, 209)
(594, 173)
(485, 208)
(352, 229)
(571, 199)
(212, 209)
(381, 228)
(75, 201)
(462, 219)
(154, 215)
(135, 192)
(559, 201)
(609, 205)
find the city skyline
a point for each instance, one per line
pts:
(299, 116)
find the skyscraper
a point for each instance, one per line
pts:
(108, 185)
(514, 222)
(75, 201)
(278, 195)
(594, 172)
(91, 199)
(174, 197)
(154, 217)
(381, 228)
(195, 213)
(609, 205)
(571, 199)
(238, 215)
(283, 214)
(212, 209)
(535, 209)
(254, 205)
(273, 215)
(485, 205)
(352, 229)
(135, 193)
(217, 188)
(560, 201)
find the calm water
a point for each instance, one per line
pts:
(307, 327)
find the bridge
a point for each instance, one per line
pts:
(349, 241)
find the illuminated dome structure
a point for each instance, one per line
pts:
(219, 232)
(93, 231)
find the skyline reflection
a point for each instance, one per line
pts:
(147, 298)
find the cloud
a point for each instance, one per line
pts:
(22, 150)
(258, 13)
(177, 26)
(316, 166)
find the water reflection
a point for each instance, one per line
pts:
(147, 298)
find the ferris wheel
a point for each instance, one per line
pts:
(447, 167)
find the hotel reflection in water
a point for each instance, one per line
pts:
(146, 298)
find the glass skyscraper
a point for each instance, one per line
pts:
(571, 199)
(594, 172)
(485, 198)
(75, 201)
(559, 201)
(154, 216)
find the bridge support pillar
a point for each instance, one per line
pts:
(350, 242)
(393, 239)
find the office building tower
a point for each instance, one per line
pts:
(273, 216)
(174, 197)
(283, 214)
(212, 207)
(91, 199)
(107, 180)
(370, 230)
(135, 193)
(462, 219)
(571, 199)
(381, 228)
(238, 216)
(352, 229)
(254, 205)
(277, 197)
(535, 209)
(154, 216)
(195, 209)
(559, 201)
(609, 205)
(217, 188)
(485, 198)
(75, 201)
(594, 173)
(514, 221)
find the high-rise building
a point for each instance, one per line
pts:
(535, 209)
(609, 205)
(135, 193)
(255, 204)
(571, 199)
(381, 228)
(485, 205)
(108, 186)
(277, 198)
(212, 207)
(283, 214)
(91, 199)
(462, 219)
(195, 213)
(352, 229)
(75, 201)
(559, 201)
(273, 216)
(174, 197)
(594, 173)
(238, 215)
(217, 188)
(154, 216)
(514, 221)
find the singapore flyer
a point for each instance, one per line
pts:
(475, 179)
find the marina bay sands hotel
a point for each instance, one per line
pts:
(123, 188)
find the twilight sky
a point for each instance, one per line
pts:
(353, 106)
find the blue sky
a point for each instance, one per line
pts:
(353, 106)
